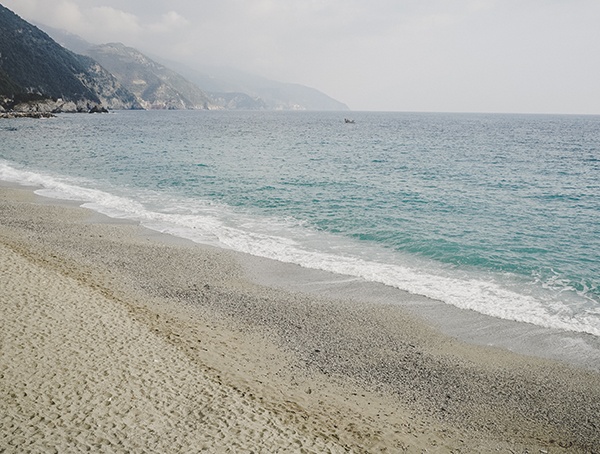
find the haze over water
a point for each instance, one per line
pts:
(495, 213)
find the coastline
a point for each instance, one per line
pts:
(12, 114)
(569, 347)
(243, 351)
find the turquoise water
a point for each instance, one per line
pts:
(495, 213)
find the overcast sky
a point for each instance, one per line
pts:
(533, 56)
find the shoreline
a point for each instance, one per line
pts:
(570, 347)
(333, 369)
(12, 114)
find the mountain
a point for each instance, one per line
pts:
(68, 40)
(36, 73)
(273, 94)
(155, 86)
(227, 88)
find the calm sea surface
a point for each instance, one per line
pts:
(495, 213)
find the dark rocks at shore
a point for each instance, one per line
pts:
(26, 115)
(98, 109)
(13, 114)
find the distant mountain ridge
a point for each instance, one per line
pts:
(37, 73)
(155, 86)
(275, 95)
(226, 88)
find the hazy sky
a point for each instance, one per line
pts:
(405, 55)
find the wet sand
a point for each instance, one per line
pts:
(116, 339)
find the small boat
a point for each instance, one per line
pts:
(348, 120)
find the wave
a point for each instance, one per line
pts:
(499, 295)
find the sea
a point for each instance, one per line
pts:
(496, 213)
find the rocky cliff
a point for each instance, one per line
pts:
(37, 74)
(154, 85)
(227, 88)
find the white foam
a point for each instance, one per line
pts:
(289, 241)
(487, 296)
(12, 175)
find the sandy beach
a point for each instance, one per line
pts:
(114, 338)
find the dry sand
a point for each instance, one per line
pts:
(115, 339)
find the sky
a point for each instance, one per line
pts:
(508, 56)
